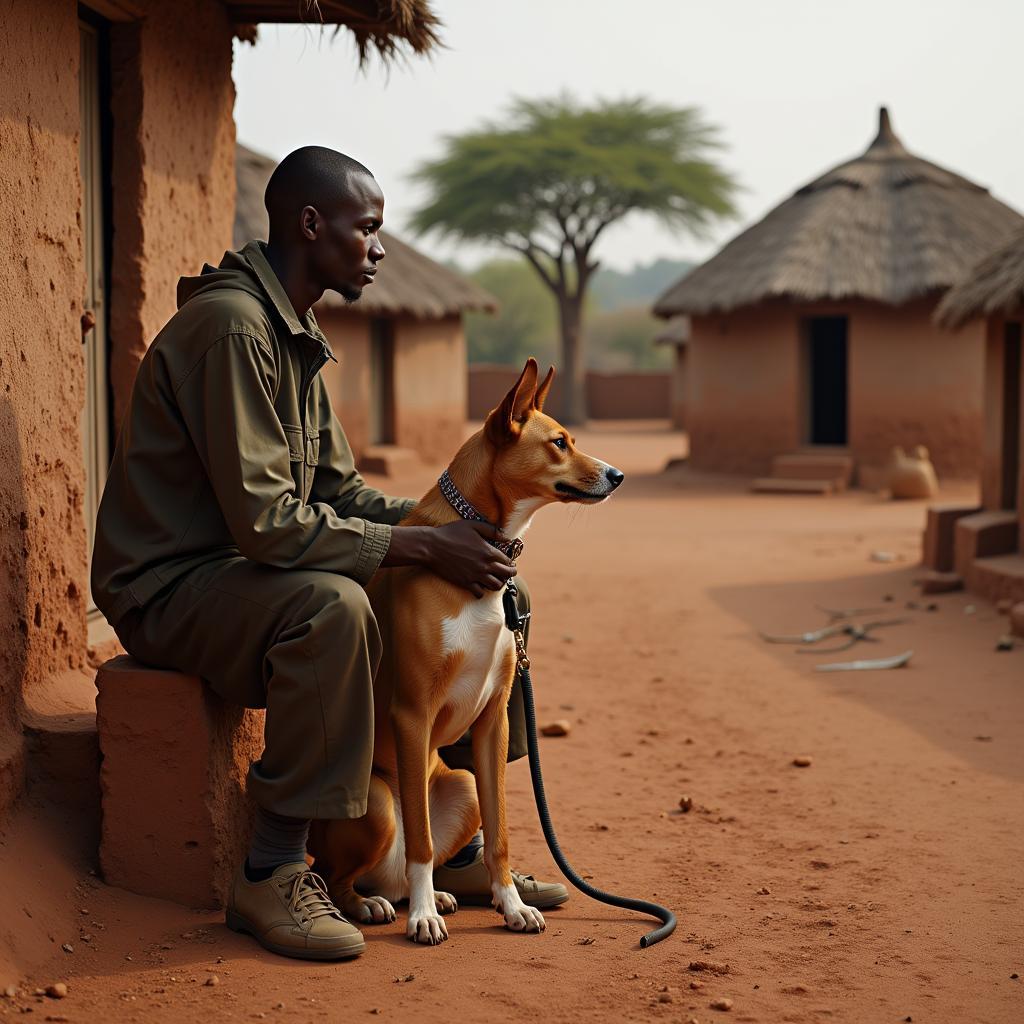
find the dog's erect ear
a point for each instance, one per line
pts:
(540, 397)
(505, 422)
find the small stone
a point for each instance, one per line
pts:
(83, 910)
(709, 967)
(10, 991)
(188, 935)
(278, 1006)
(559, 727)
(1014, 976)
(931, 607)
(802, 761)
(1006, 643)
(721, 1004)
(587, 940)
(686, 804)
(665, 997)
(692, 1020)
(67, 947)
(375, 1010)
(213, 979)
(969, 609)
(883, 556)
(764, 891)
(85, 937)
(696, 984)
(58, 990)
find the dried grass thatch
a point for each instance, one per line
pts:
(392, 28)
(887, 226)
(994, 287)
(408, 283)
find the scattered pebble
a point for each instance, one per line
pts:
(887, 598)
(1014, 976)
(559, 727)
(67, 947)
(686, 804)
(983, 739)
(969, 609)
(764, 891)
(665, 997)
(931, 607)
(802, 761)
(721, 1004)
(883, 556)
(587, 940)
(696, 984)
(58, 990)
(795, 990)
(709, 967)
(1006, 643)
(11, 991)
(213, 979)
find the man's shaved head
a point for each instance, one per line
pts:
(311, 176)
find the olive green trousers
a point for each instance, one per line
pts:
(305, 645)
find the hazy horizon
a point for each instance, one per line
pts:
(794, 88)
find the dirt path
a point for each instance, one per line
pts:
(882, 883)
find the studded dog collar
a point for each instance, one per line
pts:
(512, 548)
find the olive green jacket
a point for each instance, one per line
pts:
(229, 446)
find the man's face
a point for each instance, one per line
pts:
(347, 248)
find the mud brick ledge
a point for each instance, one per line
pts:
(176, 817)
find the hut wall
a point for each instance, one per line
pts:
(742, 391)
(348, 380)
(42, 381)
(677, 388)
(171, 206)
(430, 386)
(912, 383)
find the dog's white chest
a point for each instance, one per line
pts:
(479, 632)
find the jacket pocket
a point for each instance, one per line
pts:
(297, 460)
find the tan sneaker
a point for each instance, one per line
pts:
(471, 886)
(290, 913)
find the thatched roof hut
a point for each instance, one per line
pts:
(886, 226)
(408, 283)
(994, 287)
(391, 28)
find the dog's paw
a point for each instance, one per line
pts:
(445, 902)
(428, 928)
(524, 919)
(375, 910)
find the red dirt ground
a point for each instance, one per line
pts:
(882, 883)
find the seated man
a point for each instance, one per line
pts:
(235, 536)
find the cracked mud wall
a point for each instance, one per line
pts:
(172, 207)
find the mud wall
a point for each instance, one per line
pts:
(912, 383)
(617, 395)
(42, 476)
(348, 380)
(172, 202)
(173, 167)
(430, 386)
(742, 389)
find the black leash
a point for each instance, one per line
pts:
(515, 622)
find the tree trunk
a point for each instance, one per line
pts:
(573, 405)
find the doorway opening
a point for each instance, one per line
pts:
(94, 164)
(382, 381)
(1012, 384)
(825, 361)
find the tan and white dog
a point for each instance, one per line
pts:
(449, 663)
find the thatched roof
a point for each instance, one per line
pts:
(407, 282)
(995, 286)
(886, 226)
(390, 27)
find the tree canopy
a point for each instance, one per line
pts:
(555, 174)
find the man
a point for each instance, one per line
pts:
(234, 538)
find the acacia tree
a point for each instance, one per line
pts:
(549, 181)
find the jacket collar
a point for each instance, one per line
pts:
(255, 253)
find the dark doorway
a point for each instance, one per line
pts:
(382, 381)
(1012, 385)
(826, 379)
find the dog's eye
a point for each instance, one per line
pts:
(559, 442)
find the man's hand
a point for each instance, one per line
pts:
(458, 552)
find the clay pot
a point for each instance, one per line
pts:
(912, 476)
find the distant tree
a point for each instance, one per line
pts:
(525, 322)
(554, 175)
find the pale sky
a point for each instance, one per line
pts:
(793, 85)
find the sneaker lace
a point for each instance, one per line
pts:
(520, 877)
(309, 898)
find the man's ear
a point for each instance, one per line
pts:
(505, 422)
(540, 397)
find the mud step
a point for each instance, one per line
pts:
(814, 466)
(389, 460)
(780, 485)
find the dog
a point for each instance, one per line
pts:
(449, 665)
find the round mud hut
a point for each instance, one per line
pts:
(812, 346)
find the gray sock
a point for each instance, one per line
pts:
(276, 840)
